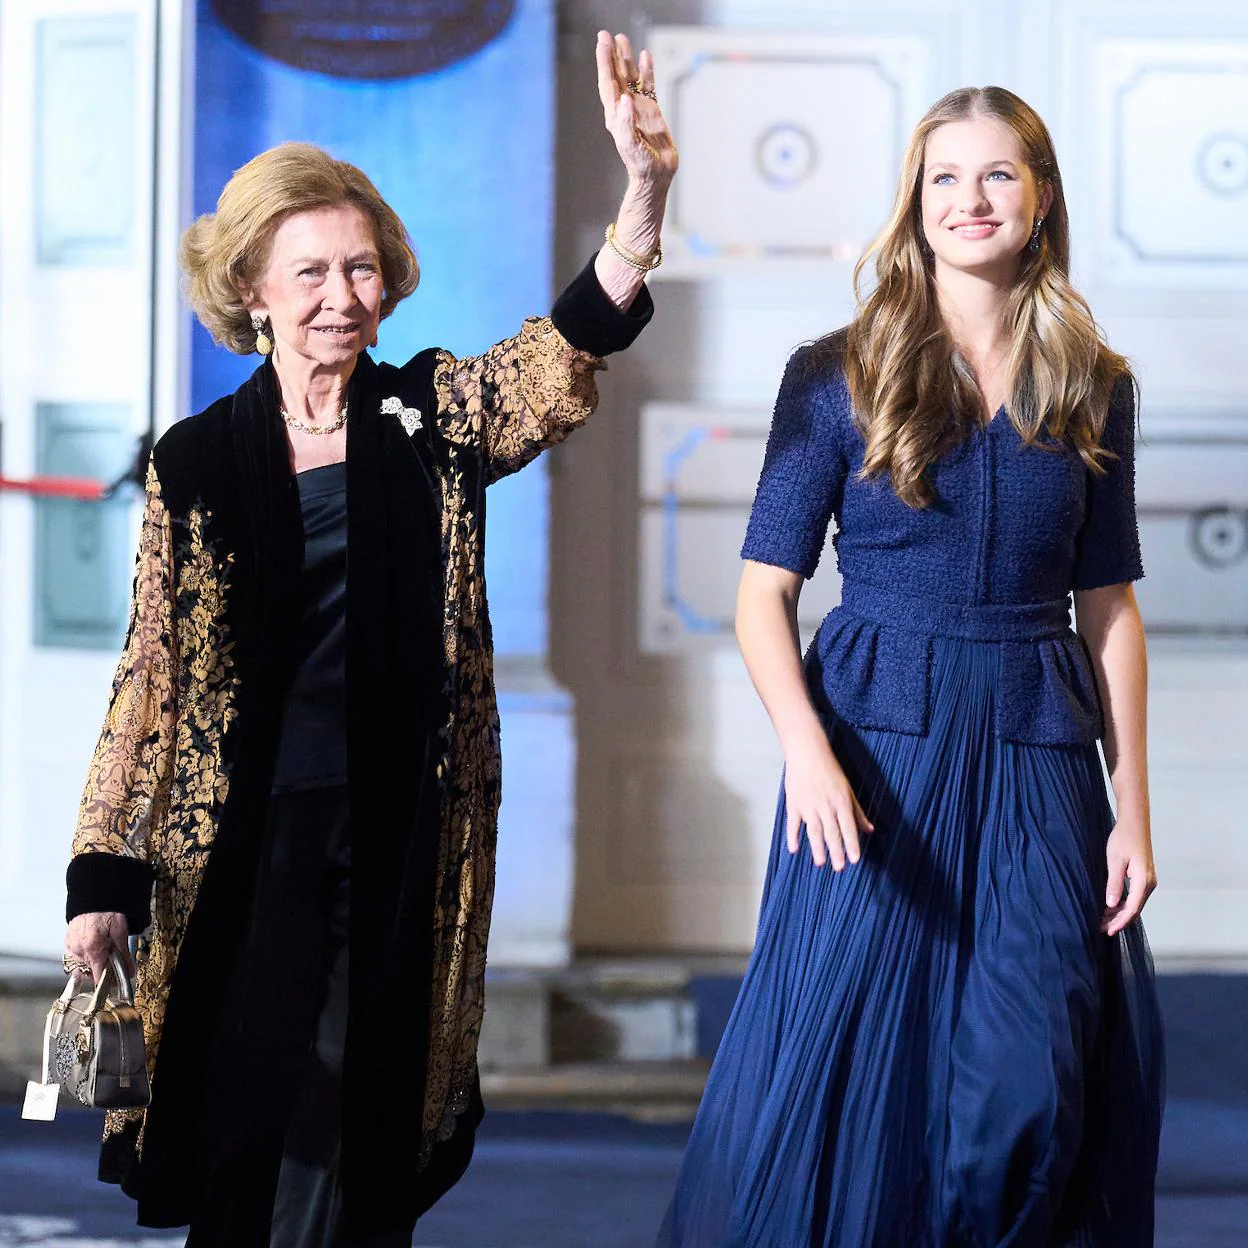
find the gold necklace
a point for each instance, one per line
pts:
(319, 430)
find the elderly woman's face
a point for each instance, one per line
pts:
(322, 289)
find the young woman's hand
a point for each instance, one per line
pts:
(817, 794)
(1132, 875)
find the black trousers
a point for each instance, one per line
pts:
(307, 1209)
(291, 990)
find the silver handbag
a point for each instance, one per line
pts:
(93, 1042)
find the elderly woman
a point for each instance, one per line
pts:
(295, 793)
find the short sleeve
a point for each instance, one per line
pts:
(1107, 549)
(803, 474)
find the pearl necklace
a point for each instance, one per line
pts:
(318, 430)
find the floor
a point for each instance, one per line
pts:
(559, 1180)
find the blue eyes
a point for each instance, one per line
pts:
(943, 179)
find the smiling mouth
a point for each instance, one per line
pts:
(339, 330)
(975, 229)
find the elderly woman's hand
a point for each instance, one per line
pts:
(91, 939)
(633, 117)
(631, 111)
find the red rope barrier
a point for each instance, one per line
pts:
(81, 488)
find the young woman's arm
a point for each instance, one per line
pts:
(817, 792)
(1108, 620)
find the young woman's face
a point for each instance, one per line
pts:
(980, 200)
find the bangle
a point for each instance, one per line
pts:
(643, 264)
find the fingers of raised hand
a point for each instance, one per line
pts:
(614, 57)
(610, 86)
(645, 68)
(626, 66)
(649, 119)
(629, 108)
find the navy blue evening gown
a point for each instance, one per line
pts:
(937, 1048)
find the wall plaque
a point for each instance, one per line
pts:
(366, 38)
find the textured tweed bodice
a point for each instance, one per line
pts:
(1013, 530)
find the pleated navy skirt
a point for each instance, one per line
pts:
(938, 1047)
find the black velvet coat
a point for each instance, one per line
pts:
(171, 820)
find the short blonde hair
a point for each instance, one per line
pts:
(225, 253)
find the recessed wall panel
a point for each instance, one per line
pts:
(1173, 167)
(83, 551)
(773, 128)
(84, 157)
(699, 470)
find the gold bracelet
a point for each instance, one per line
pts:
(643, 264)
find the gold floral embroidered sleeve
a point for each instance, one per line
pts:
(128, 782)
(522, 396)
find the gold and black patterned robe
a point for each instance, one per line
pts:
(176, 797)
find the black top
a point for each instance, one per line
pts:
(312, 750)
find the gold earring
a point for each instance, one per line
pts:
(264, 344)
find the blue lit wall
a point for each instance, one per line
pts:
(464, 156)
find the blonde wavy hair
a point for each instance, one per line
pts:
(914, 395)
(225, 253)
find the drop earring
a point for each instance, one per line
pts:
(264, 344)
(1034, 244)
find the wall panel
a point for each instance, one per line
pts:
(651, 500)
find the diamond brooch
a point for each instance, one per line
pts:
(409, 417)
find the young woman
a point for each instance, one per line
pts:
(948, 1033)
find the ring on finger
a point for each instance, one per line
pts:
(637, 88)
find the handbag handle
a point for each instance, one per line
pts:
(116, 972)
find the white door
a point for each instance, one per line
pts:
(91, 144)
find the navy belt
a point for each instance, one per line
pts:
(1022, 621)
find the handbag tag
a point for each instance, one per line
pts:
(40, 1103)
